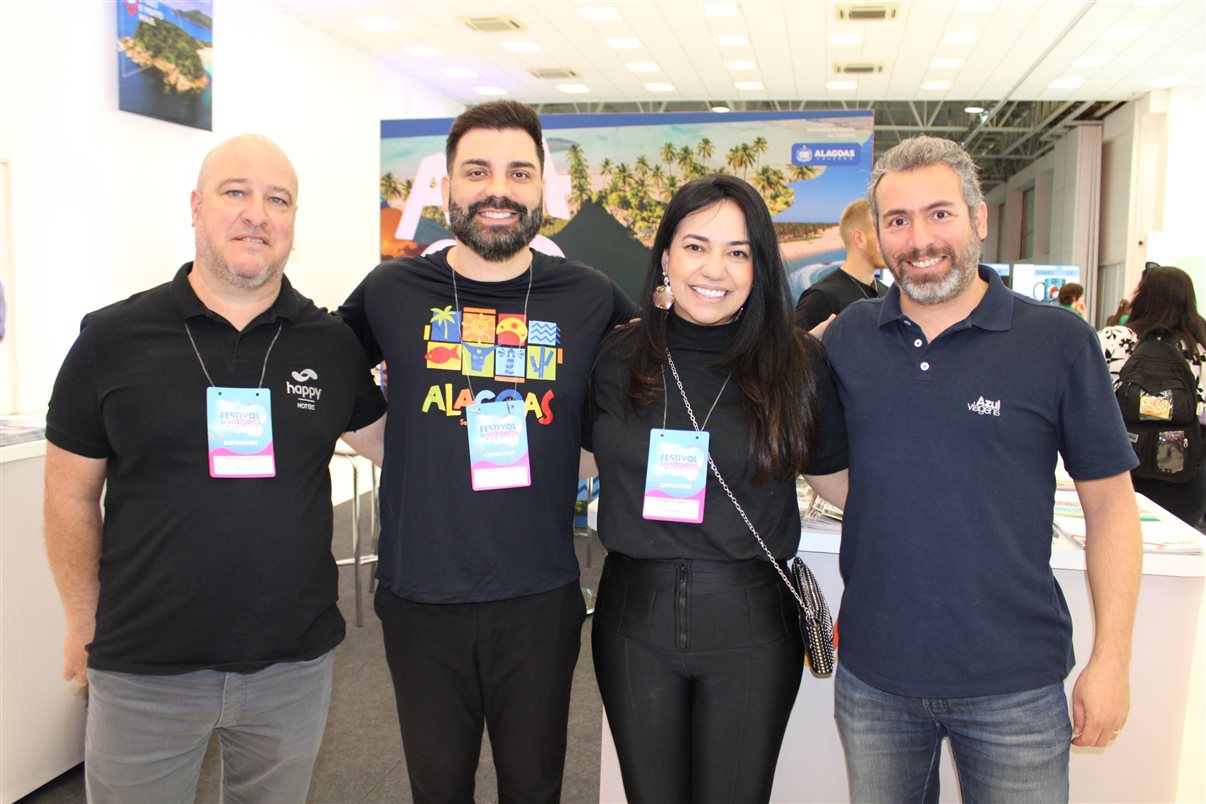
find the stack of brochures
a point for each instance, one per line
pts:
(1162, 533)
(817, 514)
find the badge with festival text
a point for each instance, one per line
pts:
(240, 432)
(676, 476)
(498, 445)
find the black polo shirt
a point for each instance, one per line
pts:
(831, 295)
(198, 572)
(946, 542)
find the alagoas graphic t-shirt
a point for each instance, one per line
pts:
(531, 339)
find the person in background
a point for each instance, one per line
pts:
(696, 645)
(202, 599)
(952, 623)
(1165, 298)
(1071, 297)
(1121, 315)
(489, 346)
(853, 280)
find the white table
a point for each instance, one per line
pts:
(41, 716)
(1157, 758)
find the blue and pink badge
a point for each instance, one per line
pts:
(676, 476)
(240, 432)
(498, 445)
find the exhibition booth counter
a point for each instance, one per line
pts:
(1157, 757)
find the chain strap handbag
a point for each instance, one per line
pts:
(816, 624)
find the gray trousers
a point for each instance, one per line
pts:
(146, 735)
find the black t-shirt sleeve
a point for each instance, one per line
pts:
(830, 454)
(813, 307)
(73, 421)
(354, 313)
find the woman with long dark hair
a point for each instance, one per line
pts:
(1165, 299)
(696, 643)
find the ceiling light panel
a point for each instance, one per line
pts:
(721, 10)
(599, 13)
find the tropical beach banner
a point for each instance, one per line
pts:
(608, 178)
(165, 60)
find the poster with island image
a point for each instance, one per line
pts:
(165, 60)
(608, 178)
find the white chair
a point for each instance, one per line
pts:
(345, 452)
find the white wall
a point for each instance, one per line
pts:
(99, 197)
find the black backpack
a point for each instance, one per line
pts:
(1158, 395)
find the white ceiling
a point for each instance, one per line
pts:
(1018, 48)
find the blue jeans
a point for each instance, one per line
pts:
(146, 735)
(1007, 748)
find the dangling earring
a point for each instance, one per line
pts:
(663, 297)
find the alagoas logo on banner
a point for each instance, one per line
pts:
(305, 394)
(825, 153)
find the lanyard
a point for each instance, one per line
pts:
(263, 369)
(457, 302)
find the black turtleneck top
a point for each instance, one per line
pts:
(620, 440)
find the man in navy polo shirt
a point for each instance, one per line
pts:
(959, 395)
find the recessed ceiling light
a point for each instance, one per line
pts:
(748, 85)
(975, 5)
(660, 87)
(1197, 58)
(378, 24)
(844, 39)
(623, 42)
(841, 85)
(1071, 82)
(573, 89)
(642, 66)
(1166, 81)
(959, 38)
(721, 10)
(741, 65)
(732, 40)
(935, 84)
(1124, 32)
(974, 109)
(946, 64)
(458, 72)
(422, 51)
(521, 46)
(599, 13)
(720, 108)
(1091, 61)
(490, 90)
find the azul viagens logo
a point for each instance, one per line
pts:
(985, 407)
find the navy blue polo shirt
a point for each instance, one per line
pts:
(946, 543)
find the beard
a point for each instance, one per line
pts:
(208, 257)
(495, 243)
(934, 289)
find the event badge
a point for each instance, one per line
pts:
(676, 476)
(240, 432)
(498, 445)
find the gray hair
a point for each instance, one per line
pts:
(923, 151)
